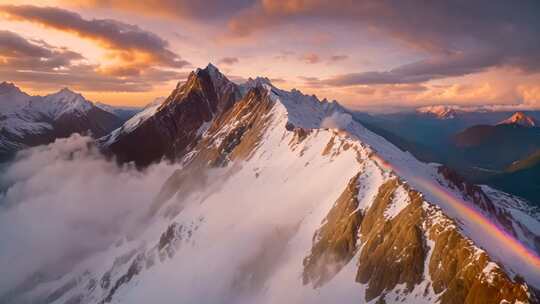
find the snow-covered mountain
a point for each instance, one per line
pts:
(519, 118)
(440, 111)
(283, 198)
(453, 111)
(33, 120)
(172, 128)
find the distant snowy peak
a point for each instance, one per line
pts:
(27, 120)
(63, 102)
(519, 118)
(12, 98)
(441, 112)
(452, 111)
(8, 87)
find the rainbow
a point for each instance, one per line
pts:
(527, 256)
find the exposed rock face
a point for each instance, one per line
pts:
(178, 122)
(237, 132)
(458, 271)
(234, 135)
(335, 243)
(395, 251)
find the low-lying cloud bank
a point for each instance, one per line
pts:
(246, 230)
(64, 201)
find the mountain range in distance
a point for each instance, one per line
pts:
(27, 121)
(288, 198)
(483, 145)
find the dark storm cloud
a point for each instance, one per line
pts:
(461, 37)
(112, 34)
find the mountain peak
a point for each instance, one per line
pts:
(7, 87)
(219, 80)
(65, 101)
(65, 91)
(439, 111)
(521, 119)
(211, 67)
(212, 70)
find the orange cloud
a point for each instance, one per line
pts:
(310, 58)
(129, 47)
(530, 94)
(41, 66)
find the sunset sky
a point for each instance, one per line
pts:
(373, 55)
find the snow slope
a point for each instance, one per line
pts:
(136, 120)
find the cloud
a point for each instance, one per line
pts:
(17, 52)
(202, 9)
(126, 43)
(284, 55)
(457, 38)
(529, 94)
(335, 58)
(277, 80)
(50, 226)
(310, 81)
(12, 45)
(394, 97)
(42, 66)
(310, 58)
(337, 121)
(228, 60)
(423, 70)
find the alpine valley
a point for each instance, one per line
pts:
(276, 197)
